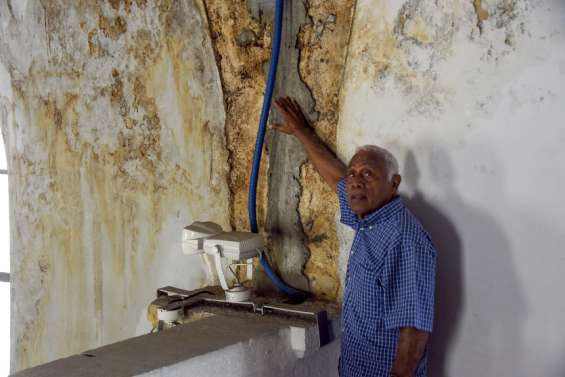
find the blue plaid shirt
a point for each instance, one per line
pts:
(389, 284)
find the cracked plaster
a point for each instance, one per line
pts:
(120, 130)
(112, 150)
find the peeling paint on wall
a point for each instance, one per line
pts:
(242, 45)
(241, 65)
(324, 43)
(117, 142)
(482, 13)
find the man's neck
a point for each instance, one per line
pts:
(361, 217)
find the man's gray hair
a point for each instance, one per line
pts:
(390, 160)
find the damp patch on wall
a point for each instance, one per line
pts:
(117, 142)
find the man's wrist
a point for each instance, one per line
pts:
(301, 132)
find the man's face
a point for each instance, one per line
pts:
(368, 184)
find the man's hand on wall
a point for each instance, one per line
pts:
(295, 123)
(294, 120)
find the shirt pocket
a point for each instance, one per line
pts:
(369, 297)
(372, 264)
(372, 280)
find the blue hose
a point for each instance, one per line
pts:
(294, 294)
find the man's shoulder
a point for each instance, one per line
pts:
(412, 232)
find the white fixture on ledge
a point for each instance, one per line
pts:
(209, 238)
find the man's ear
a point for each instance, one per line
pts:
(396, 179)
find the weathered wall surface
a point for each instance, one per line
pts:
(469, 95)
(242, 46)
(324, 44)
(115, 139)
(126, 120)
(294, 205)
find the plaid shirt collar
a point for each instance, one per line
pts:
(379, 215)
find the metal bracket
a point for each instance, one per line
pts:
(202, 298)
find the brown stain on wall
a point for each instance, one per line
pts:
(323, 45)
(380, 48)
(127, 4)
(416, 29)
(112, 27)
(387, 49)
(97, 220)
(60, 260)
(482, 13)
(243, 81)
(322, 58)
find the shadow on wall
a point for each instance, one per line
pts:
(449, 275)
(489, 294)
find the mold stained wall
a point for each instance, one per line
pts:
(114, 125)
(241, 31)
(125, 121)
(324, 43)
(469, 96)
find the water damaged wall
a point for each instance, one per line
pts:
(469, 96)
(294, 206)
(125, 121)
(115, 139)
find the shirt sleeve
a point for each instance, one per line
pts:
(409, 277)
(348, 217)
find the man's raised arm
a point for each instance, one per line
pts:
(295, 123)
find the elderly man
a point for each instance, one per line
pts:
(389, 290)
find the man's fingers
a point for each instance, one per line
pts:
(288, 107)
(281, 105)
(285, 103)
(279, 127)
(293, 104)
(296, 106)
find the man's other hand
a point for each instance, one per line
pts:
(294, 120)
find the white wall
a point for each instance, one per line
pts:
(476, 120)
(5, 96)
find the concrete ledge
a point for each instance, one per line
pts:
(214, 346)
